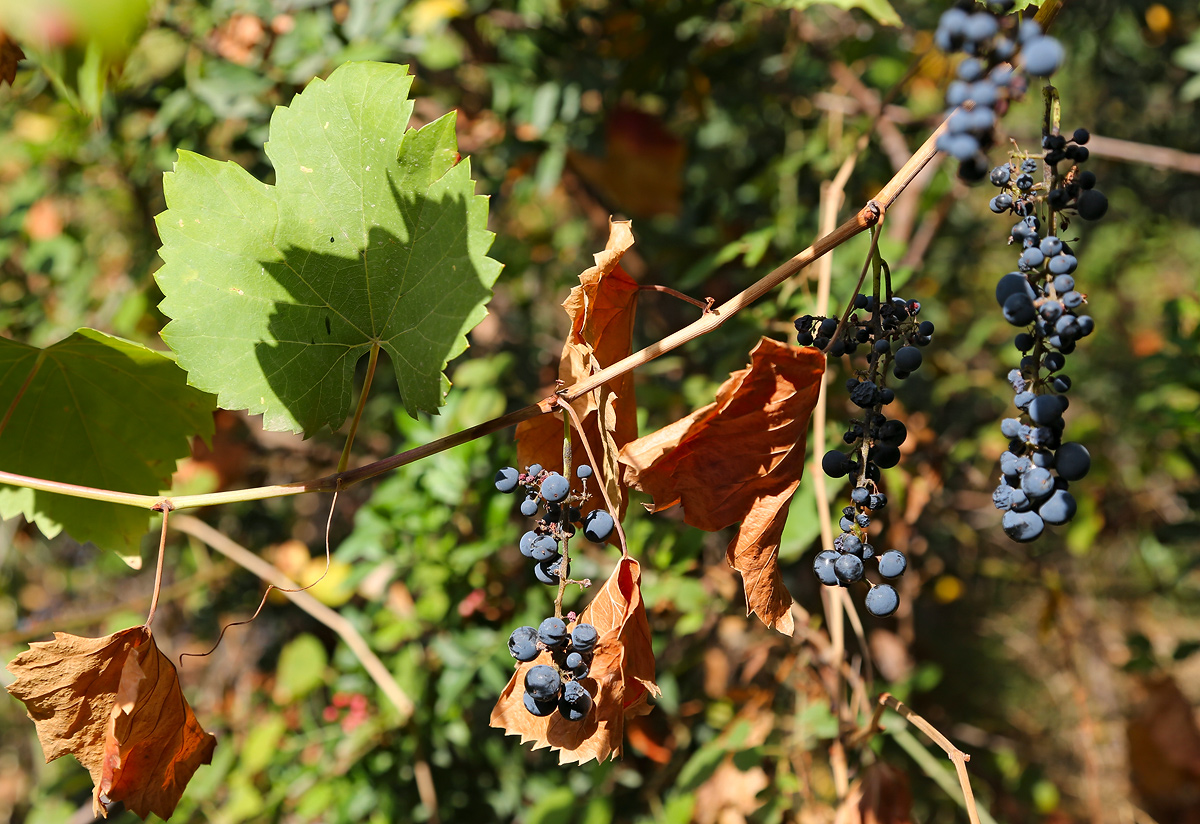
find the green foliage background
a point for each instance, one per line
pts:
(1037, 659)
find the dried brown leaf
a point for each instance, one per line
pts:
(881, 796)
(115, 704)
(601, 309)
(730, 794)
(754, 553)
(740, 459)
(620, 682)
(748, 444)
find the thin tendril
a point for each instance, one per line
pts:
(270, 587)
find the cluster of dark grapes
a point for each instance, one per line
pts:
(1042, 295)
(892, 335)
(548, 497)
(1072, 193)
(985, 79)
(558, 687)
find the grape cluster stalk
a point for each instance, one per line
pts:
(887, 330)
(1043, 297)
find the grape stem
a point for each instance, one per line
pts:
(862, 276)
(563, 517)
(165, 509)
(612, 509)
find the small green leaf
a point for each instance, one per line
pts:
(97, 411)
(881, 10)
(371, 234)
(301, 669)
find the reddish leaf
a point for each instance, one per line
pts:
(620, 682)
(880, 796)
(116, 705)
(602, 310)
(10, 56)
(1164, 749)
(739, 459)
(642, 170)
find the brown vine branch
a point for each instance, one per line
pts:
(957, 756)
(246, 559)
(866, 217)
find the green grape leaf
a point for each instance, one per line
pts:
(371, 235)
(97, 411)
(881, 10)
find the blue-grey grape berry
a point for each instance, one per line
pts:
(1043, 55)
(547, 571)
(575, 702)
(823, 567)
(506, 479)
(539, 708)
(882, 600)
(542, 682)
(583, 638)
(892, 564)
(555, 487)
(598, 525)
(522, 644)
(544, 548)
(849, 569)
(553, 633)
(583, 471)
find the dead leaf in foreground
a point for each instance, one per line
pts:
(621, 679)
(116, 705)
(10, 56)
(740, 459)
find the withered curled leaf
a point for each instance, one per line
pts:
(601, 309)
(115, 704)
(740, 458)
(621, 679)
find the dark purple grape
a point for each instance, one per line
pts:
(1072, 461)
(598, 525)
(849, 569)
(575, 702)
(1043, 55)
(583, 638)
(542, 682)
(1058, 508)
(882, 600)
